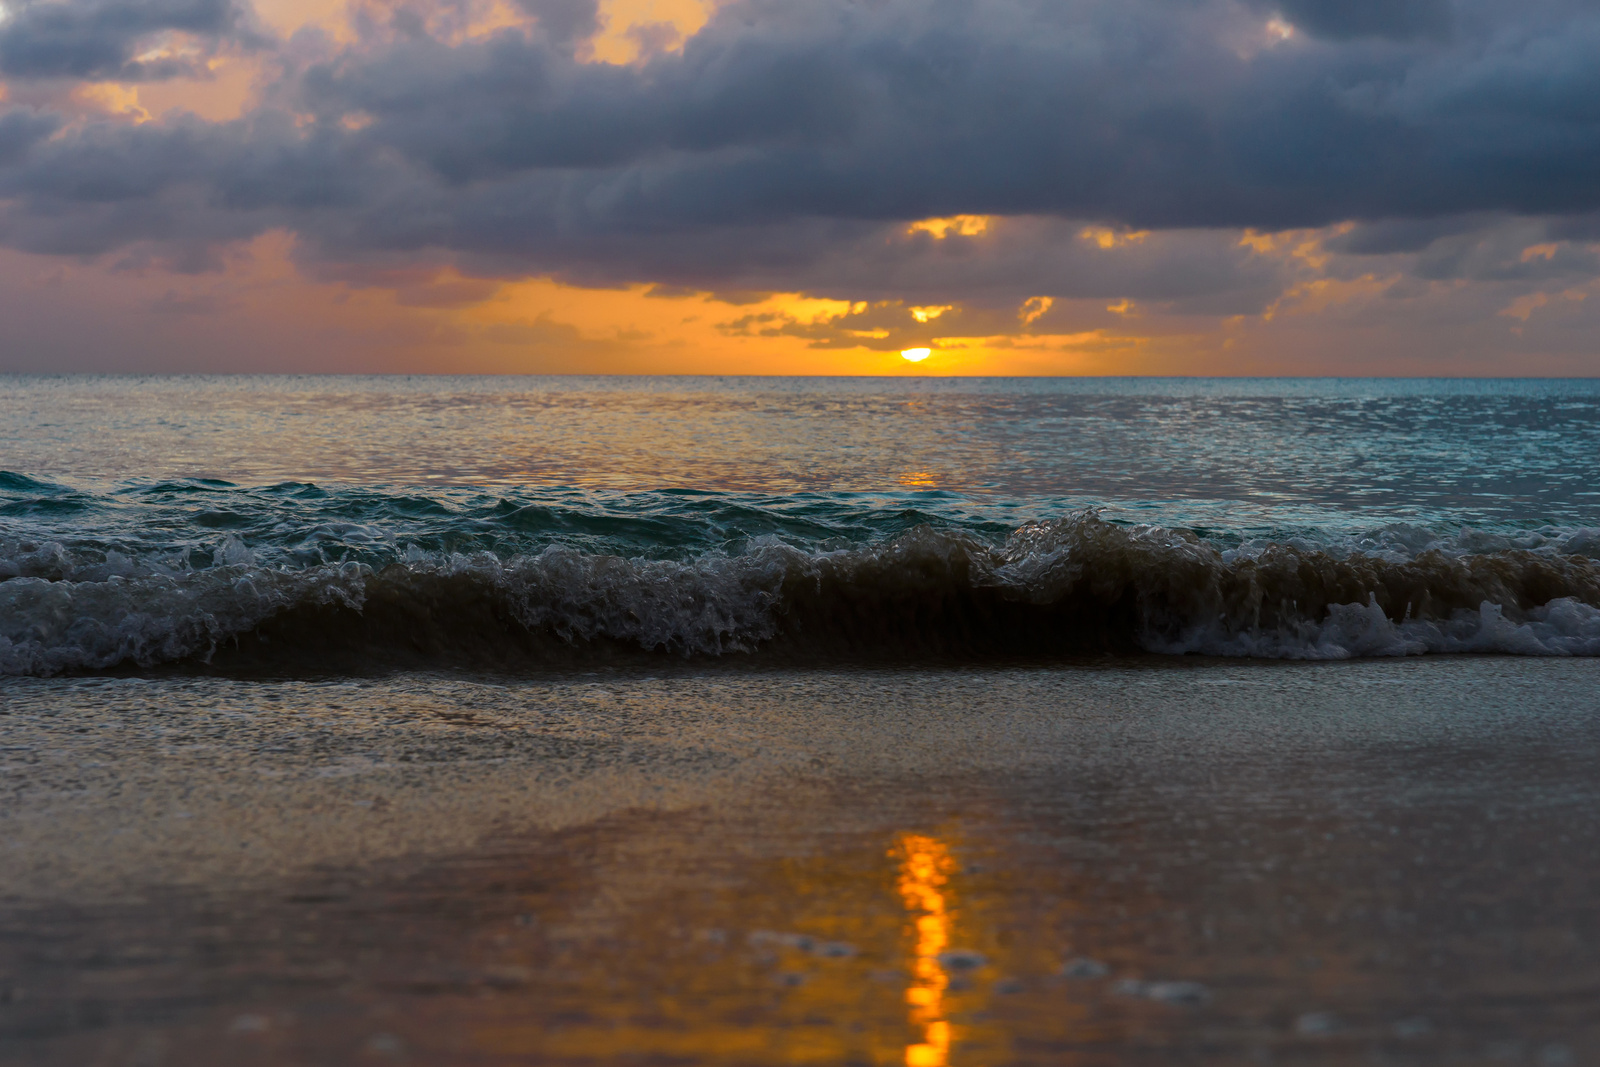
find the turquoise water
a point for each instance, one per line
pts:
(155, 520)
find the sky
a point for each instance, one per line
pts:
(1347, 187)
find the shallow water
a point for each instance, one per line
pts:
(149, 521)
(1166, 862)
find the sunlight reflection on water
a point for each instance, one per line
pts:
(1263, 451)
(925, 867)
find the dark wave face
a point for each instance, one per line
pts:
(921, 590)
(1247, 541)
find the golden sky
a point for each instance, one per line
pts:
(258, 311)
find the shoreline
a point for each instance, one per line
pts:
(1367, 858)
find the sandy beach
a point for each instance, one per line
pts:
(1108, 862)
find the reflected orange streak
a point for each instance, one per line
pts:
(925, 865)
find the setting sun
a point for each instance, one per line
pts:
(916, 355)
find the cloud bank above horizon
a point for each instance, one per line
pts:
(1038, 186)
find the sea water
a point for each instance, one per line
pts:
(585, 719)
(338, 522)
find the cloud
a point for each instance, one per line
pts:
(787, 147)
(1387, 236)
(125, 40)
(1351, 19)
(1139, 112)
(20, 130)
(564, 21)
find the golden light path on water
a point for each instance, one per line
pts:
(839, 961)
(925, 866)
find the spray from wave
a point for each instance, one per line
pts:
(1050, 589)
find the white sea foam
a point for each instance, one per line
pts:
(1052, 588)
(1563, 627)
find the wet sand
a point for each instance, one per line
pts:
(1162, 861)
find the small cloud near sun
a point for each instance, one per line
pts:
(960, 225)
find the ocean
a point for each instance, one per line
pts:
(923, 722)
(328, 523)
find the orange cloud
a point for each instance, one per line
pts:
(229, 86)
(227, 94)
(1523, 307)
(287, 16)
(959, 225)
(110, 98)
(1107, 238)
(1320, 294)
(1303, 245)
(1033, 308)
(631, 29)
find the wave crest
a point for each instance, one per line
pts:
(1050, 589)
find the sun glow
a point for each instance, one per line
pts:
(916, 355)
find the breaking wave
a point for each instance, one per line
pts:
(1050, 589)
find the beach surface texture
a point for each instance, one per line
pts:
(610, 721)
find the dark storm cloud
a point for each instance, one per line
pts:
(103, 39)
(1388, 236)
(1350, 19)
(20, 131)
(788, 141)
(564, 21)
(1144, 113)
(1510, 253)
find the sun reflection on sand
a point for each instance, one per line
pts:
(861, 955)
(925, 866)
